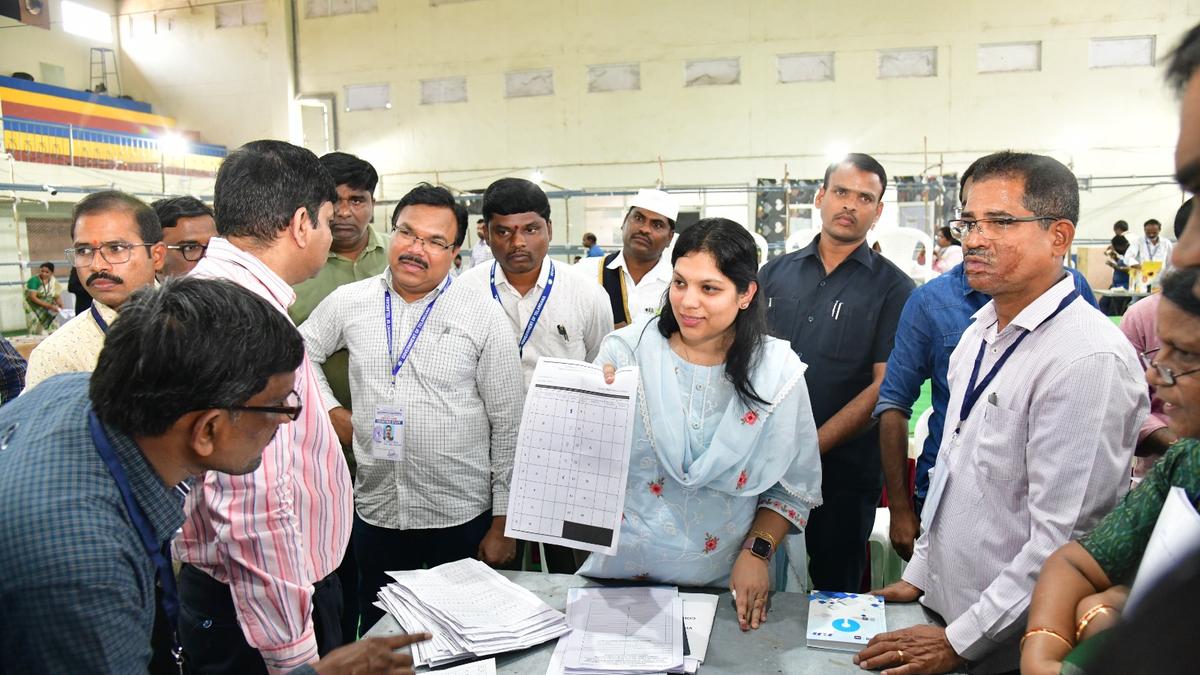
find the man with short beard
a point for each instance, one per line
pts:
(117, 249)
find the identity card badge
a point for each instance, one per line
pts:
(387, 437)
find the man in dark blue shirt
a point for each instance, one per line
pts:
(195, 376)
(12, 371)
(838, 302)
(933, 320)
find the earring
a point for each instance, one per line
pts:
(745, 305)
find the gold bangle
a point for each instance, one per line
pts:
(1088, 616)
(1044, 631)
(765, 535)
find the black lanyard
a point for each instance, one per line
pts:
(99, 320)
(154, 549)
(973, 391)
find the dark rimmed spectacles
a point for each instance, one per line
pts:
(190, 252)
(434, 245)
(113, 253)
(1165, 373)
(991, 228)
(292, 412)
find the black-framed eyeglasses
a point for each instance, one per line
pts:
(190, 252)
(113, 253)
(1165, 373)
(991, 228)
(291, 411)
(406, 237)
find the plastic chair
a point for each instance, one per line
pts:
(763, 250)
(899, 244)
(920, 434)
(886, 565)
(798, 239)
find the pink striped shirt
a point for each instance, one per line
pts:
(272, 533)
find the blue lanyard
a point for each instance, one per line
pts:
(973, 391)
(99, 320)
(537, 309)
(154, 549)
(416, 331)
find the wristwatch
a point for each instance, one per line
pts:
(759, 547)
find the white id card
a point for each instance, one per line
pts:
(387, 438)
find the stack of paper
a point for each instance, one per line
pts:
(470, 609)
(1176, 534)
(844, 621)
(621, 630)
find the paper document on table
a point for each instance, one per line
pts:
(487, 667)
(470, 610)
(1176, 534)
(572, 458)
(699, 609)
(623, 630)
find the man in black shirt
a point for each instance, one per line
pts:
(838, 302)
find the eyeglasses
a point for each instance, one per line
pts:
(990, 228)
(406, 237)
(113, 253)
(291, 411)
(190, 252)
(1165, 373)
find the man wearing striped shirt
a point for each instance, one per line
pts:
(257, 588)
(1046, 399)
(438, 394)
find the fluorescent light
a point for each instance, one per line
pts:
(836, 152)
(536, 176)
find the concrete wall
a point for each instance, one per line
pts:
(24, 48)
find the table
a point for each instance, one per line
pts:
(776, 647)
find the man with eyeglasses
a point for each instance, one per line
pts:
(258, 592)
(1046, 397)
(931, 324)
(86, 466)
(636, 278)
(117, 249)
(187, 224)
(437, 362)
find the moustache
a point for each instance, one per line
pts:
(977, 253)
(103, 275)
(414, 260)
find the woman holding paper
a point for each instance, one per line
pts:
(1083, 586)
(724, 463)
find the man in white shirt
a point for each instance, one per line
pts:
(481, 253)
(437, 394)
(636, 277)
(116, 249)
(552, 310)
(1046, 399)
(1151, 247)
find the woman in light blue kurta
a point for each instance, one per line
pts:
(724, 447)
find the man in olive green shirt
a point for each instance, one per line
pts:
(358, 251)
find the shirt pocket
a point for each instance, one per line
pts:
(849, 332)
(782, 315)
(455, 358)
(1000, 448)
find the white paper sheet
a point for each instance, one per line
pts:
(1176, 534)
(699, 609)
(572, 459)
(487, 667)
(626, 630)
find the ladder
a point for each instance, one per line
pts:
(102, 66)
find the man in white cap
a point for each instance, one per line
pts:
(636, 277)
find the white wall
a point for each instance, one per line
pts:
(24, 48)
(735, 134)
(231, 84)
